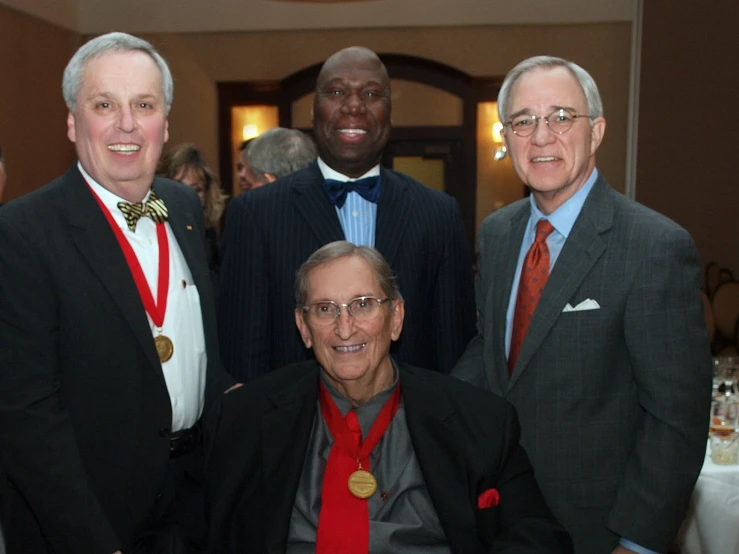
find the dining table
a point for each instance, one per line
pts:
(711, 525)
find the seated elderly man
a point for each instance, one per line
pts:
(354, 453)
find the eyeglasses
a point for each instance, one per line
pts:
(363, 308)
(560, 121)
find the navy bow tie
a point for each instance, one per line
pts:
(368, 188)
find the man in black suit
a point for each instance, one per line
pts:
(354, 453)
(272, 230)
(107, 327)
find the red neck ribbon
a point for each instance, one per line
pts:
(156, 310)
(343, 522)
(340, 430)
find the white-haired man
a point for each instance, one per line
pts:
(107, 328)
(590, 323)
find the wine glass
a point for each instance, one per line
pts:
(723, 431)
(725, 368)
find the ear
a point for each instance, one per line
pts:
(597, 131)
(397, 315)
(71, 131)
(303, 328)
(270, 178)
(166, 130)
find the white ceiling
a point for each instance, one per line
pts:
(149, 16)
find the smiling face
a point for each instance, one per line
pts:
(351, 111)
(120, 122)
(554, 166)
(355, 355)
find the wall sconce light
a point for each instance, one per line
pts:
(500, 150)
(249, 131)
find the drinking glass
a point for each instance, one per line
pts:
(724, 370)
(724, 425)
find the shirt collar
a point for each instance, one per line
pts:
(329, 173)
(564, 217)
(109, 199)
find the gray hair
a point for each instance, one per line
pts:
(342, 249)
(280, 151)
(587, 83)
(104, 44)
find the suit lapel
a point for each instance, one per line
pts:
(285, 435)
(392, 215)
(98, 245)
(432, 424)
(510, 252)
(311, 202)
(582, 249)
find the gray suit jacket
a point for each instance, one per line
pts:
(613, 402)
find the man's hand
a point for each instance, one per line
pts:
(622, 550)
(236, 386)
(117, 552)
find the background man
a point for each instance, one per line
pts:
(241, 167)
(276, 153)
(444, 456)
(274, 229)
(102, 388)
(608, 366)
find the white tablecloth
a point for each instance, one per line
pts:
(712, 523)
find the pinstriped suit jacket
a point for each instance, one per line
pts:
(272, 230)
(613, 402)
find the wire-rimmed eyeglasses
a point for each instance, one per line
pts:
(362, 308)
(560, 121)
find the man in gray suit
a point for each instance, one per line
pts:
(590, 323)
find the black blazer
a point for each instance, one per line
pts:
(272, 230)
(84, 408)
(465, 439)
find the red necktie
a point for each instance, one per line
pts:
(534, 275)
(343, 523)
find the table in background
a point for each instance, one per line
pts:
(711, 525)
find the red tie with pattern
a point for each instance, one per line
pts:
(534, 275)
(343, 524)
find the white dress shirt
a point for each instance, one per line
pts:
(184, 372)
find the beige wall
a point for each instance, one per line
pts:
(32, 112)
(688, 122)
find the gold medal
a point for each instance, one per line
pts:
(164, 347)
(362, 483)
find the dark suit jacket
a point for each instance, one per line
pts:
(272, 230)
(84, 409)
(613, 402)
(466, 442)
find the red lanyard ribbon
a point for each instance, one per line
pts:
(340, 430)
(156, 310)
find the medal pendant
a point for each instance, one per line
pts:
(362, 484)
(164, 347)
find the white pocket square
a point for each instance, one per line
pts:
(588, 304)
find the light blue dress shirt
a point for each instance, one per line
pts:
(562, 219)
(358, 217)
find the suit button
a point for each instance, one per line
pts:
(165, 432)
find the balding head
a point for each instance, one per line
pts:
(351, 111)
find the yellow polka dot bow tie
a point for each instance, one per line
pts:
(154, 208)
